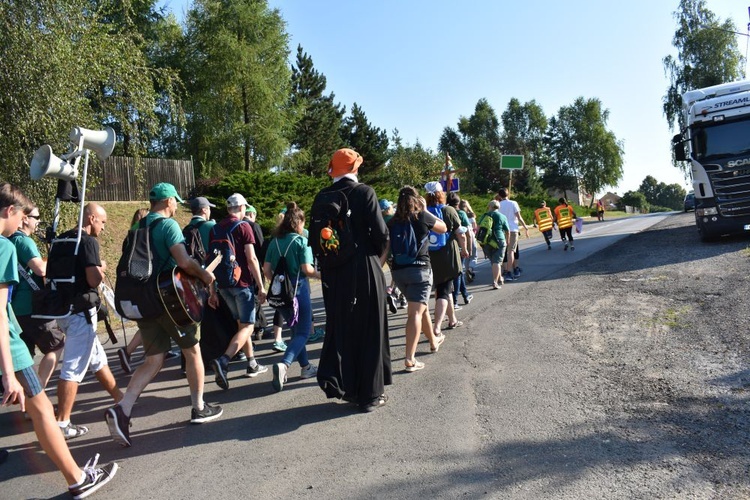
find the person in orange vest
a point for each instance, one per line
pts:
(545, 222)
(564, 216)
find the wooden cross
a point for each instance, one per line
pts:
(448, 172)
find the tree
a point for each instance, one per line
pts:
(635, 199)
(475, 146)
(524, 126)
(316, 134)
(238, 84)
(559, 174)
(707, 54)
(662, 195)
(369, 141)
(411, 165)
(650, 189)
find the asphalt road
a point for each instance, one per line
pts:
(526, 400)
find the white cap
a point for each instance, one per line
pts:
(433, 187)
(236, 200)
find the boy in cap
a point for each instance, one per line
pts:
(168, 243)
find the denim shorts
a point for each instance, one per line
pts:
(415, 283)
(241, 302)
(82, 346)
(496, 256)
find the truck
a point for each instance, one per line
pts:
(717, 136)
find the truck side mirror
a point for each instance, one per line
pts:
(678, 147)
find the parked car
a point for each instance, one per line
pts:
(689, 202)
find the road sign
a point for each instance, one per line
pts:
(511, 162)
(454, 185)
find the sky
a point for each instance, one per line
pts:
(420, 65)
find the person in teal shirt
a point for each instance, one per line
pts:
(289, 242)
(21, 384)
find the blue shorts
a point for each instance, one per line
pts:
(496, 256)
(241, 302)
(415, 283)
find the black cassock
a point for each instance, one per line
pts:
(355, 362)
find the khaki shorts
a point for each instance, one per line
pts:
(512, 241)
(158, 332)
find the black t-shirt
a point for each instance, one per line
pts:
(421, 225)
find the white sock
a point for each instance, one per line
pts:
(197, 399)
(63, 423)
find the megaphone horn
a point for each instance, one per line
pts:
(46, 164)
(102, 142)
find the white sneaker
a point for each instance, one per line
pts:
(308, 371)
(279, 376)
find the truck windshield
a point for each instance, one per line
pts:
(721, 139)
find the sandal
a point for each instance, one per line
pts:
(416, 365)
(439, 339)
(457, 324)
(73, 431)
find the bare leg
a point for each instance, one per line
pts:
(142, 376)
(47, 366)
(134, 343)
(441, 305)
(239, 340)
(195, 372)
(66, 397)
(414, 314)
(427, 327)
(107, 380)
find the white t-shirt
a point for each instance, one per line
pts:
(509, 209)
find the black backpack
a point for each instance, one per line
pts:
(228, 272)
(331, 237)
(194, 242)
(281, 292)
(136, 292)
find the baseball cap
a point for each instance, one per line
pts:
(236, 200)
(385, 204)
(433, 187)
(344, 161)
(250, 210)
(200, 202)
(162, 191)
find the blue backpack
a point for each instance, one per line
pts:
(404, 244)
(437, 241)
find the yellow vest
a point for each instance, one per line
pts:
(543, 218)
(564, 214)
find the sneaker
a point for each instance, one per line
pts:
(374, 405)
(516, 273)
(258, 334)
(565, 248)
(468, 299)
(240, 356)
(208, 413)
(402, 304)
(220, 374)
(279, 376)
(73, 431)
(119, 425)
(415, 366)
(391, 303)
(572, 248)
(549, 247)
(508, 276)
(124, 357)
(456, 307)
(279, 346)
(254, 372)
(94, 478)
(318, 333)
(308, 371)
(172, 354)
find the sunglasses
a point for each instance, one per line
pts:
(37, 217)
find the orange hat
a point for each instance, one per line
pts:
(344, 161)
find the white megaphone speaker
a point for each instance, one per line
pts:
(46, 164)
(102, 142)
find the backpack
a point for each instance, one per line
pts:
(331, 236)
(437, 241)
(194, 242)
(136, 291)
(281, 293)
(485, 235)
(404, 244)
(228, 271)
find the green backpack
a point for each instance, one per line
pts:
(485, 236)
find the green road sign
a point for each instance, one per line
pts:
(511, 162)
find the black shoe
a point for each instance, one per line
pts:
(94, 478)
(468, 299)
(172, 354)
(124, 360)
(3, 456)
(208, 413)
(391, 303)
(220, 374)
(119, 425)
(240, 356)
(375, 404)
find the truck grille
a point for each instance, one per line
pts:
(732, 191)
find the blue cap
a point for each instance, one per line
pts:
(385, 204)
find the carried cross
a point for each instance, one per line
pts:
(448, 172)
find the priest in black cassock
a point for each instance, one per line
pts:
(355, 362)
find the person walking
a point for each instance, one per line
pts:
(21, 385)
(512, 213)
(459, 282)
(470, 262)
(565, 217)
(545, 222)
(414, 277)
(496, 245)
(289, 242)
(355, 361)
(168, 244)
(43, 334)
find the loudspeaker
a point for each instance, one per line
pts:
(46, 164)
(102, 142)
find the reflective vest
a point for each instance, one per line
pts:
(564, 215)
(543, 218)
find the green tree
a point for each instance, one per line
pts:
(650, 189)
(316, 134)
(559, 174)
(475, 147)
(635, 199)
(239, 84)
(707, 54)
(524, 126)
(410, 165)
(369, 141)
(671, 196)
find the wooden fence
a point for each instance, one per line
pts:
(115, 179)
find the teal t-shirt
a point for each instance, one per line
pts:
(9, 276)
(464, 218)
(26, 250)
(165, 235)
(499, 225)
(298, 253)
(204, 229)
